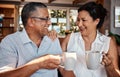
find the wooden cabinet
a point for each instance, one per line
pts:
(9, 21)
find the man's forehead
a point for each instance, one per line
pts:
(41, 12)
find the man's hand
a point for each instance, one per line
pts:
(47, 62)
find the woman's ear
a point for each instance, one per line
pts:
(97, 21)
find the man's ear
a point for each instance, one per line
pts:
(31, 22)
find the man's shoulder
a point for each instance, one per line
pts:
(11, 37)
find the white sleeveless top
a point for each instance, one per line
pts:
(76, 43)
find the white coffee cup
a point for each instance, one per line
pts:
(69, 60)
(93, 60)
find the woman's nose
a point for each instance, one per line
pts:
(79, 23)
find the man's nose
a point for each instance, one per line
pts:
(49, 22)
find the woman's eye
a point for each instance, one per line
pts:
(83, 20)
(78, 19)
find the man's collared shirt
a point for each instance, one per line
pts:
(17, 49)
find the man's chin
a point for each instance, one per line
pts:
(45, 34)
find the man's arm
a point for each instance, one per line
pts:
(44, 62)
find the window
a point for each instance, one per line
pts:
(58, 19)
(63, 18)
(117, 16)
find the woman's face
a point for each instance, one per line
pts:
(86, 23)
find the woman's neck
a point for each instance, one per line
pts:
(88, 40)
(90, 37)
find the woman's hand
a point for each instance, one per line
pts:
(52, 34)
(107, 59)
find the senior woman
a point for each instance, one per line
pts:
(89, 20)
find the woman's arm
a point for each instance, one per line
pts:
(110, 60)
(65, 42)
(64, 72)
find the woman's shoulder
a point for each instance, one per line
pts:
(103, 37)
(76, 34)
(72, 36)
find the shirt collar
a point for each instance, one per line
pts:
(99, 38)
(24, 36)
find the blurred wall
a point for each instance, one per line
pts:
(113, 29)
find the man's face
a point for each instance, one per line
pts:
(41, 21)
